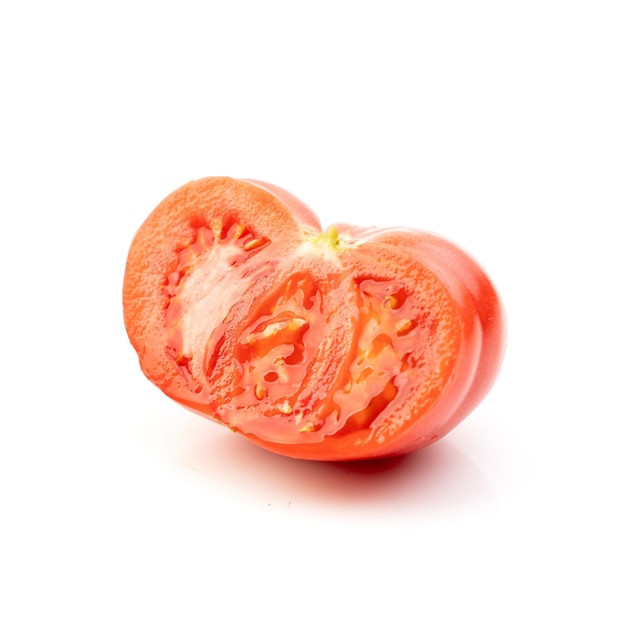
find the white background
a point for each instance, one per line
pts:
(500, 125)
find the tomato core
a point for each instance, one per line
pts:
(224, 241)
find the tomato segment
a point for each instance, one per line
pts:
(344, 344)
(272, 348)
(382, 353)
(286, 356)
(226, 244)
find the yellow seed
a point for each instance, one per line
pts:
(296, 324)
(308, 427)
(390, 302)
(271, 329)
(216, 226)
(274, 327)
(281, 370)
(252, 244)
(404, 326)
(284, 408)
(260, 391)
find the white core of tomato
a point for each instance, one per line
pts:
(207, 294)
(210, 289)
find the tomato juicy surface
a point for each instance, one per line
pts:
(344, 344)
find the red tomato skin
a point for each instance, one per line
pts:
(475, 339)
(466, 279)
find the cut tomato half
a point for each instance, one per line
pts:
(342, 344)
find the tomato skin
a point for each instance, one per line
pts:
(353, 343)
(478, 299)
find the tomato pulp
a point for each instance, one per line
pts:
(344, 344)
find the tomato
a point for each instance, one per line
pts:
(350, 343)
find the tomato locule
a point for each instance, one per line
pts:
(344, 344)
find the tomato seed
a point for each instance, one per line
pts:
(404, 327)
(253, 244)
(259, 391)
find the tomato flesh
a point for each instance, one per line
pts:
(274, 348)
(344, 344)
(382, 354)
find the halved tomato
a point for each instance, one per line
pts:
(342, 344)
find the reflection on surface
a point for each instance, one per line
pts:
(435, 478)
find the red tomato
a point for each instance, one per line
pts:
(343, 344)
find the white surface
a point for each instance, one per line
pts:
(499, 125)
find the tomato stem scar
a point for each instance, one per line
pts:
(330, 241)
